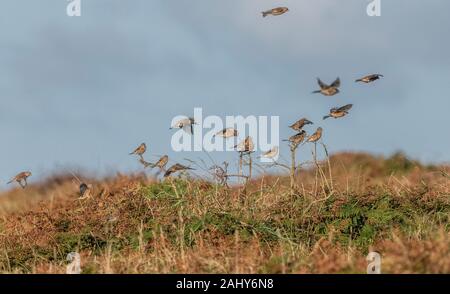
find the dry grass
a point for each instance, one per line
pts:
(133, 224)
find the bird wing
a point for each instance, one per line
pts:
(345, 107)
(321, 84)
(336, 83)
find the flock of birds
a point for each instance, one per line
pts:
(247, 145)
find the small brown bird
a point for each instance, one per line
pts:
(275, 11)
(227, 133)
(369, 78)
(21, 178)
(297, 139)
(185, 123)
(245, 146)
(140, 150)
(272, 153)
(339, 112)
(316, 136)
(328, 90)
(162, 162)
(85, 191)
(298, 125)
(175, 168)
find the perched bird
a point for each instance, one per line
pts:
(140, 150)
(185, 123)
(369, 78)
(85, 191)
(246, 145)
(175, 168)
(316, 136)
(297, 138)
(21, 178)
(298, 125)
(219, 173)
(162, 162)
(272, 153)
(339, 112)
(227, 133)
(328, 90)
(275, 11)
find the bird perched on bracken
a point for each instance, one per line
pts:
(339, 112)
(140, 150)
(85, 191)
(275, 11)
(272, 153)
(175, 168)
(162, 162)
(21, 179)
(297, 138)
(219, 173)
(185, 123)
(298, 125)
(227, 133)
(316, 136)
(328, 90)
(245, 146)
(369, 78)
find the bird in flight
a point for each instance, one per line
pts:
(21, 178)
(275, 11)
(227, 133)
(184, 124)
(245, 146)
(298, 125)
(140, 150)
(271, 153)
(369, 78)
(175, 168)
(339, 112)
(316, 136)
(297, 138)
(328, 90)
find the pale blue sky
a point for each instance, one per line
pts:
(84, 91)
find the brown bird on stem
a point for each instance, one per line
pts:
(21, 178)
(140, 150)
(161, 163)
(275, 11)
(297, 138)
(227, 133)
(328, 90)
(245, 146)
(298, 125)
(369, 78)
(339, 112)
(85, 191)
(316, 136)
(175, 168)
